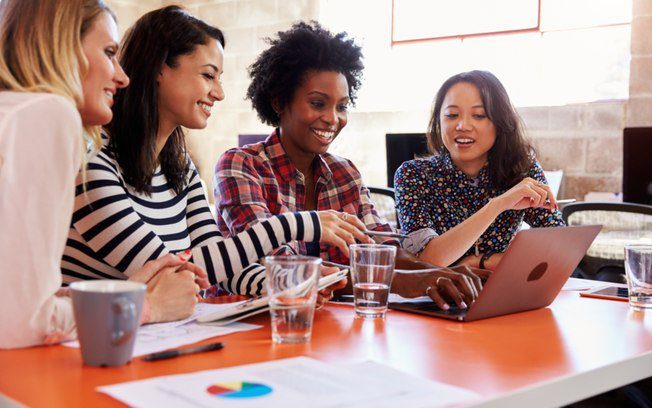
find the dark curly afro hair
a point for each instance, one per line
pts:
(279, 70)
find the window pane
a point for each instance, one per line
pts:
(418, 19)
(569, 14)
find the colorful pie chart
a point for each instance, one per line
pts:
(239, 389)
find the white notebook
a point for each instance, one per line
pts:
(260, 304)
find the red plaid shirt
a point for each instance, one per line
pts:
(258, 181)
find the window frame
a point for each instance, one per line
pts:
(461, 37)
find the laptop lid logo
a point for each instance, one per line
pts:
(537, 272)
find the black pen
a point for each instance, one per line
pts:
(162, 355)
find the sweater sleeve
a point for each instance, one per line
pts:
(110, 225)
(232, 260)
(39, 159)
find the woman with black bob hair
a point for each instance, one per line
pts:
(303, 85)
(465, 204)
(143, 196)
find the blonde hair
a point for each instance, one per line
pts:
(41, 48)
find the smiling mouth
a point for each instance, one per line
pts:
(205, 107)
(325, 136)
(464, 141)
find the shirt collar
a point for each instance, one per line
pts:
(284, 167)
(480, 181)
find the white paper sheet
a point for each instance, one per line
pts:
(295, 382)
(162, 336)
(575, 284)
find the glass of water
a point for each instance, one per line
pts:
(638, 265)
(292, 289)
(372, 269)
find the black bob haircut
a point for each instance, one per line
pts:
(280, 69)
(158, 38)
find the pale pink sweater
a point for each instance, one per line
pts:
(40, 154)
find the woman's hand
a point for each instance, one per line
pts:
(326, 294)
(341, 229)
(473, 262)
(461, 287)
(529, 193)
(172, 288)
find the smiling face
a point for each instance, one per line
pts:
(187, 91)
(105, 75)
(466, 131)
(316, 114)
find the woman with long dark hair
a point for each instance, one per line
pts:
(303, 85)
(466, 202)
(143, 196)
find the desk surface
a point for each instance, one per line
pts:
(576, 348)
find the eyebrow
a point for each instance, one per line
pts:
(325, 95)
(455, 106)
(212, 66)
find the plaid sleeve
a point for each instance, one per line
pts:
(540, 217)
(367, 212)
(240, 202)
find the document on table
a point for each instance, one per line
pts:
(575, 284)
(162, 336)
(295, 382)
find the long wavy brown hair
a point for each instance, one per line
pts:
(511, 156)
(159, 37)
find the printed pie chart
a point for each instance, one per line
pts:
(239, 389)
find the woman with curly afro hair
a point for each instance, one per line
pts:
(303, 85)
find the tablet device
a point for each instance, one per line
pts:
(259, 305)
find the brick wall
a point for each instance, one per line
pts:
(584, 140)
(639, 106)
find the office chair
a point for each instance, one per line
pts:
(622, 223)
(385, 204)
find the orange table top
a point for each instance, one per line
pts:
(576, 348)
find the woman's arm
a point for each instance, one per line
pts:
(239, 197)
(40, 150)
(105, 217)
(446, 248)
(451, 245)
(414, 202)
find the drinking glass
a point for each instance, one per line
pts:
(638, 266)
(292, 290)
(372, 269)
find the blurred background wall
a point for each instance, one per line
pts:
(577, 84)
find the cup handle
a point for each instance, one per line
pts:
(124, 321)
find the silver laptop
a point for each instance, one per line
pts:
(532, 272)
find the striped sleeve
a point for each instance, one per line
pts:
(228, 259)
(230, 263)
(116, 227)
(239, 196)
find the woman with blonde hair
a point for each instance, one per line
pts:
(58, 75)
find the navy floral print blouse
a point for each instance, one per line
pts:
(433, 196)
